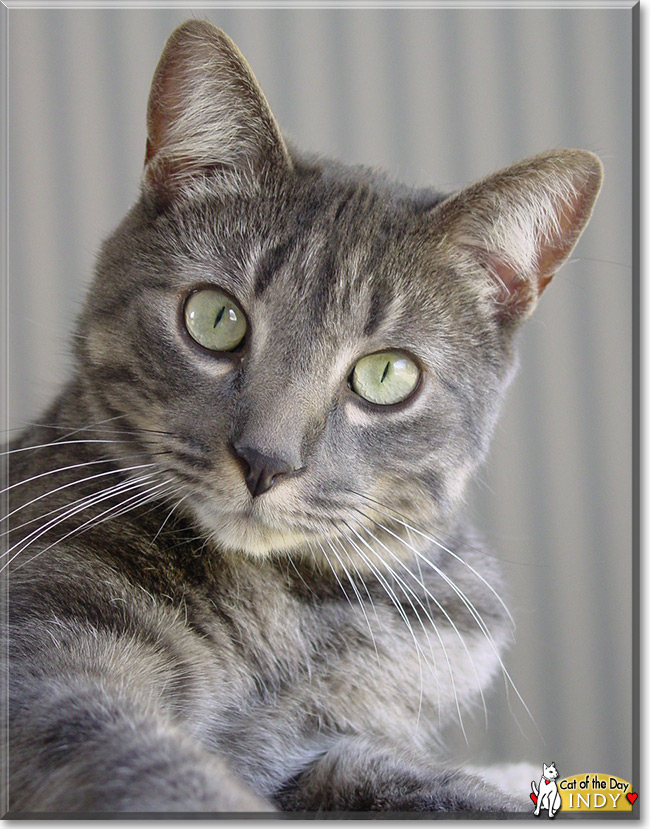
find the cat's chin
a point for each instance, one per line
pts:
(241, 533)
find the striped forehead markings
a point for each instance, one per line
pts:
(271, 261)
(381, 298)
(304, 222)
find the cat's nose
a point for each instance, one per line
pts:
(261, 471)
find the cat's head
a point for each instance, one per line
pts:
(550, 772)
(308, 351)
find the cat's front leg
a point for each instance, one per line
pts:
(554, 803)
(358, 775)
(91, 746)
(107, 720)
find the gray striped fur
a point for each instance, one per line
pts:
(206, 651)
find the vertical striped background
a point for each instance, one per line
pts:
(437, 96)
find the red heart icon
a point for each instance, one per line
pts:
(533, 797)
(632, 796)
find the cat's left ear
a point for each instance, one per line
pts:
(207, 116)
(518, 226)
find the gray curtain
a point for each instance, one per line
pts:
(436, 96)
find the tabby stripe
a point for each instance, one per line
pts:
(271, 263)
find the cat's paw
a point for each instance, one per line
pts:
(453, 792)
(512, 778)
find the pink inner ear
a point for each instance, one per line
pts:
(207, 117)
(167, 97)
(571, 220)
(514, 293)
(164, 108)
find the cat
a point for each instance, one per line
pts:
(547, 797)
(240, 576)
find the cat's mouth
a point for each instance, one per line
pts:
(356, 531)
(248, 530)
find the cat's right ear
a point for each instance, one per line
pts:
(512, 231)
(207, 116)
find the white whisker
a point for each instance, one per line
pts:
(108, 514)
(65, 486)
(83, 428)
(397, 604)
(360, 577)
(406, 590)
(56, 443)
(357, 594)
(169, 515)
(440, 607)
(92, 427)
(473, 611)
(166, 492)
(65, 469)
(400, 520)
(333, 569)
(293, 564)
(91, 500)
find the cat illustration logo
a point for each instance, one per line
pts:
(547, 796)
(581, 793)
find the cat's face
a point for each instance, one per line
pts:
(355, 280)
(306, 351)
(550, 772)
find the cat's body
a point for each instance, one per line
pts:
(547, 795)
(278, 601)
(266, 666)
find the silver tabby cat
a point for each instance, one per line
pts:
(240, 577)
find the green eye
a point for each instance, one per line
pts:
(214, 320)
(385, 378)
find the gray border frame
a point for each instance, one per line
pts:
(635, 7)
